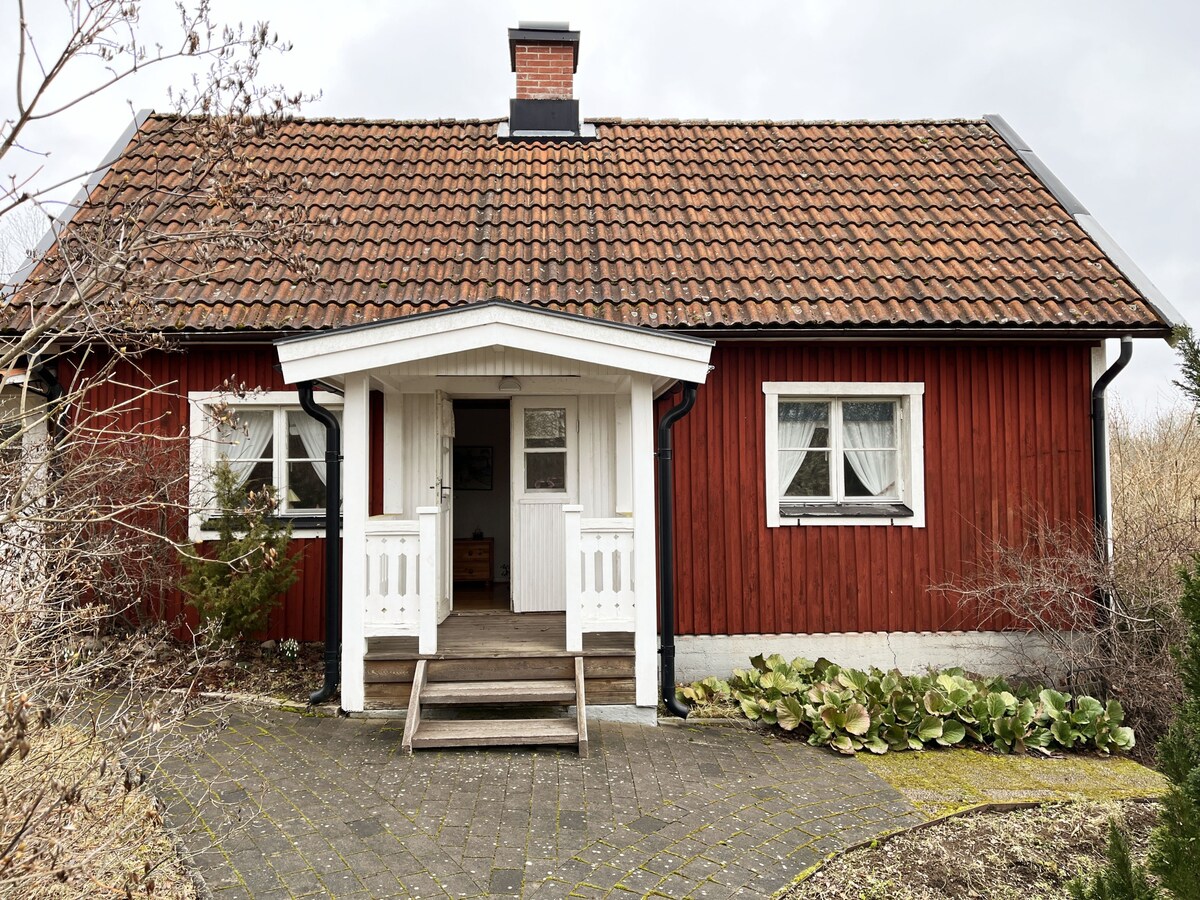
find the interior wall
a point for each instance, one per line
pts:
(488, 511)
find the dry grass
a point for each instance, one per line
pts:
(1026, 855)
(112, 843)
(1156, 531)
(1156, 498)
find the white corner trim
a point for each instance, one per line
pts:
(912, 393)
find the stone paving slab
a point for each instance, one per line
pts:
(281, 805)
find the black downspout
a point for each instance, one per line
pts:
(1100, 463)
(54, 395)
(666, 554)
(333, 542)
(1100, 443)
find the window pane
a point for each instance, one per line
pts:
(306, 486)
(261, 475)
(251, 435)
(306, 436)
(807, 477)
(869, 424)
(545, 428)
(803, 424)
(545, 471)
(871, 473)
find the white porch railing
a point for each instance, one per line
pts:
(405, 577)
(600, 581)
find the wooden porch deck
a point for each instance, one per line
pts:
(482, 635)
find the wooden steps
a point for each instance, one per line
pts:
(486, 693)
(493, 732)
(513, 696)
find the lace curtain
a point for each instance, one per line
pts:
(245, 443)
(312, 435)
(796, 429)
(871, 428)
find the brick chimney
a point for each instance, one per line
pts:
(545, 56)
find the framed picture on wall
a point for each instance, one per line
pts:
(472, 468)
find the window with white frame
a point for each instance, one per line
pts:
(844, 453)
(265, 442)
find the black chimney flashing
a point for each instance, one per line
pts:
(559, 116)
(543, 33)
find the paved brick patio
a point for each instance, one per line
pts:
(292, 806)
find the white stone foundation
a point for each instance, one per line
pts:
(981, 652)
(622, 712)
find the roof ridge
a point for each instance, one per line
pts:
(615, 120)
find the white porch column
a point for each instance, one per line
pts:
(574, 587)
(355, 491)
(645, 569)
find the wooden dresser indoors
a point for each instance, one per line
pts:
(473, 559)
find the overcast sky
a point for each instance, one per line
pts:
(1106, 92)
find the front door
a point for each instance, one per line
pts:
(545, 478)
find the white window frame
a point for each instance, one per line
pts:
(205, 447)
(532, 495)
(909, 396)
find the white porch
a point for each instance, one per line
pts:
(583, 539)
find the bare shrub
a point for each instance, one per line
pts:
(93, 489)
(1110, 626)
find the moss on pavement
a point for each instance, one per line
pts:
(939, 782)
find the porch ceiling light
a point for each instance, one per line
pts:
(509, 385)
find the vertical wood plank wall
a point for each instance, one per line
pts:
(1007, 440)
(165, 411)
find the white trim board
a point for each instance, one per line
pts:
(364, 348)
(912, 437)
(201, 446)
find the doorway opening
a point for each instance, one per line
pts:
(482, 507)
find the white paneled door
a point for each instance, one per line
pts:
(545, 477)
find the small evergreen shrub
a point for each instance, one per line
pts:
(248, 568)
(1175, 844)
(849, 710)
(1121, 878)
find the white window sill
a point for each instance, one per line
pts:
(905, 521)
(203, 537)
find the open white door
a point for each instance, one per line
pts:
(545, 477)
(445, 499)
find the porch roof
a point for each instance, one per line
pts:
(361, 348)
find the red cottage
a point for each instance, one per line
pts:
(613, 391)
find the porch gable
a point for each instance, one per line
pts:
(330, 355)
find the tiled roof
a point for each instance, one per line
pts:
(661, 223)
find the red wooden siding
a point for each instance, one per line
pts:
(205, 368)
(1007, 440)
